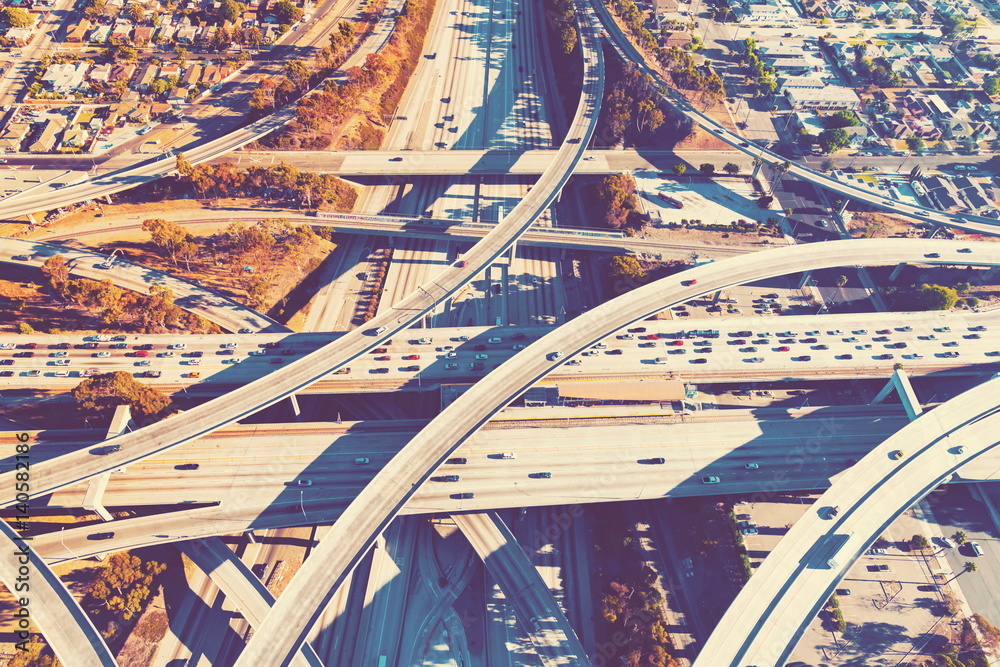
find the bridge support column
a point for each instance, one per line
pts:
(900, 383)
(843, 206)
(896, 271)
(716, 296)
(92, 500)
(296, 410)
(934, 232)
(756, 169)
(804, 280)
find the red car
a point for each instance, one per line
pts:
(676, 342)
(411, 357)
(380, 350)
(783, 348)
(688, 283)
(462, 264)
(385, 358)
(142, 353)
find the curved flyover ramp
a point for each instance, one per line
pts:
(768, 617)
(969, 222)
(66, 626)
(373, 509)
(227, 313)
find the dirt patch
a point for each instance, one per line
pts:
(702, 140)
(880, 225)
(141, 645)
(731, 239)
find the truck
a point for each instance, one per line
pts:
(660, 360)
(670, 200)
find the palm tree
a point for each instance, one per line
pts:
(969, 567)
(960, 537)
(841, 281)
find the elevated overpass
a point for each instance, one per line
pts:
(771, 612)
(380, 501)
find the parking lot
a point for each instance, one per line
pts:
(711, 202)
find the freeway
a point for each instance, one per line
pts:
(388, 493)
(757, 347)
(773, 609)
(227, 313)
(535, 606)
(46, 603)
(271, 459)
(324, 454)
(479, 162)
(256, 395)
(629, 53)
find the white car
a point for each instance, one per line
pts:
(166, 354)
(61, 362)
(256, 353)
(6, 346)
(230, 345)
(102, 354)
(193, 362)
(177, 346)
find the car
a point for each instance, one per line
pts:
(973, 336)
(463, 496)
(446, 478)
(710, 479)
(896, 454)
(165, 354)
(7, 346)
(552, 356)
(384, 358)
(866, 346)
(689, 283)
(6, 362)
(31, 374)
(230, 345)
(59, 354)
(950, 343)
(844, 357)
(21, 258)
(144, 362)
(461, 263)
(194, 375)
(699, 360)
(495, 340)
(411, 357)
(943, 329)
(752, 466)
(6, 374)
(804, 357)
(89, 346)
(755, 360)
(676, 343)
(102, 354)
(24, 354)
(63, 346)
(897, 346)
(614, 352)
(540, 475)
(637, 330)
(860, 332)
(227, 353)
(749, 531)
(975, 549)
(245, 331)
(482, 356)
(949, 355)
(187, 466)
(379, 371)
(884, 357)
(748, 349)
(820, 347)
(177, 346)
(978, 328)
(377, 331)
(477, 366)
(654, 461)
(783, 348)
(881, 339)
(197, 354)
(395, 159)
(625, 337)
(573, 362)
(100, 536)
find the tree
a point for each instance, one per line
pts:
(135, 12)
(287, 12)
(915, 143)
(169, 237)
(25, 329)
(841, 281)
(960, 537)
(833, 140)
(230, 10)
(843, 118)
(626, 266)
(992, 86)
(56, 271)
(680, 168)
(255, 38)
(102, 393)
(954, 25)
(16, 17)
(936, 297)
(962, 287)
(919, 542)
(969, 566)
(828, 165)
(731, 168)
(765, 201)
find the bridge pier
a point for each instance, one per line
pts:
(900, 383)
(804, 280)
(95, 487)
(896, 271)
(843, 206)
(756, 169)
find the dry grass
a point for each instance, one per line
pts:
(879, 225)
(142, 643)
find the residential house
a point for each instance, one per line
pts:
(165, 33)
(123, 72)
(841, 10)
(78, 33)
(145, 77)
(857, 135)
(65, 78)
(925, 9)
(881, 10)
(186, 34)
(666, 7)
(191, 75)
(142, 35)
(943, 193)
(938, 53)
(121, 30)
(178, 96)
(46, 140)
(831, 97)
(101, 74)
(207, 35)
(763, 11)
(13, 136)
(75, 137)
(169, 70)
(902, 10)
(814, 8)
(680, 39)
(101, 34)
(801, 82)
(18, 36)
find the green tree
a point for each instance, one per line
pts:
(135, 12)
(16, 17)
(960, 537)
(969, 566)
(962, 287)
(56, 271)
(764, 201)
(828, 165)
(287, 12)
(731, 168)
(936, 297)
(915, 143)
(843, 118)
(230, 10)
(169, 237)
(101, 394)
(919, 542)
(841, 281)
(680, 168)
(626, 266)
(991, 85)
(25, 329)
(832, 140)
(707, 168)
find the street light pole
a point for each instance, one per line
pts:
(62, 541)
(302, 506)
